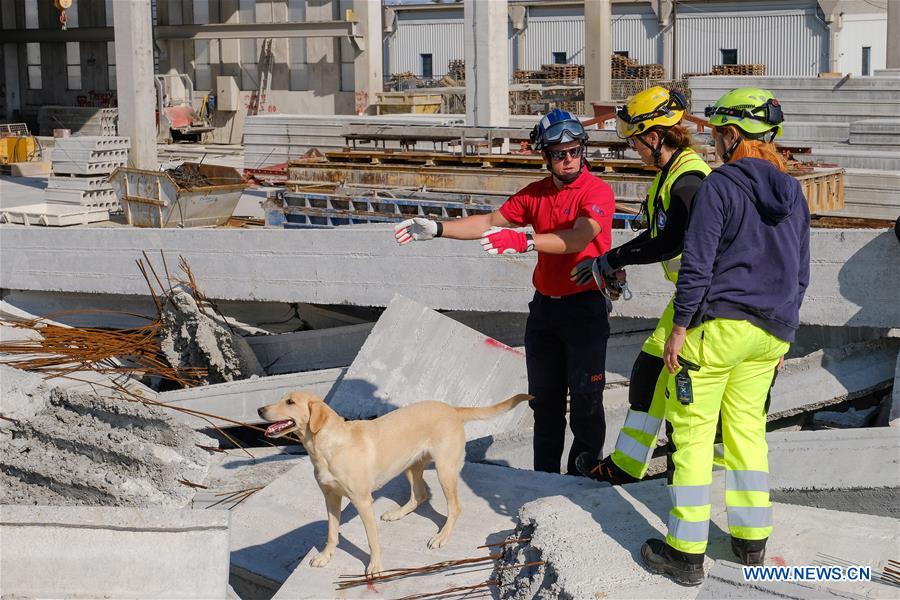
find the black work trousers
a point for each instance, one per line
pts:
(565, 346)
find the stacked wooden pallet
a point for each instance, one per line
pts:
(456, 68)
(749, 69)
(563, 72)
(620, 66)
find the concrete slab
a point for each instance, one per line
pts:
(591, 544)
(106, 552)
(50, 214)
(856, 470)
(309, 350)
(833, 375)
(239, 400)
(18, 191)
(276, 528)
(415, 354)
(234, 470)
(853, 282)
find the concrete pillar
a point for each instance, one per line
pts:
(13, 100)
(487, 63)
(597, 50)
(834, 17)
(368, 61)
(518, 16)
(665, 50)
(893, 35)
(134, 75)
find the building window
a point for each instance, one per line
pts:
(111, 64)
(622, 53)
(867, 60)
(33, 62)
(729, 57)
(427, 66)
(73, 65)
(559, 58)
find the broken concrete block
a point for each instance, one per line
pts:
(91, 450)
(591, 543)
(191, 338)
(239, 400)
(415, 354)
(309, 350)
(111, 552)
(233, 470)
(278, 526)
(22, 395)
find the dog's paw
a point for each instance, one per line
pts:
(393, 515)
(374, 568)
(321, 559)
(438, 540)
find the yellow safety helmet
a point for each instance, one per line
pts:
(654, 107)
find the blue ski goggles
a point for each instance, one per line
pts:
(557, 133)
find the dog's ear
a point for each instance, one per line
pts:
(318, 414)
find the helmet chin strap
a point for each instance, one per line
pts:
(729, 152)
(655, 151)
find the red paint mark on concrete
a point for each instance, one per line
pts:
(495, 344)
(778, 561)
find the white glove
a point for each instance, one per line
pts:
(417, 228)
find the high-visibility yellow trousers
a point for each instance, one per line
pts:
(637, 439)
(736, 362)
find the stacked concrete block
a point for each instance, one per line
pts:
(89, 155)
(82, 191)
(875, 132)
(81, 167)
(83, 120)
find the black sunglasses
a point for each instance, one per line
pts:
(561, 154)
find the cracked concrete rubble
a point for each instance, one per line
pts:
(192, 338)
(74, 448)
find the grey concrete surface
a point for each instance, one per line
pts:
(855, 470)
(239, 400)
(854, 280)
(415, 354)
(309, 350)
(274, 530)
(107, 552)
(591, 544)
(234, 470)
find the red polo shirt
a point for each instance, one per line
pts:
(548, 210)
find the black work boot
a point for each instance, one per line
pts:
(602, 470)
(751, 552)
(684, 568)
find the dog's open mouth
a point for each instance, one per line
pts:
(277, 428)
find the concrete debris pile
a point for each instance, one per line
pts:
(71, 448)
(191, 338)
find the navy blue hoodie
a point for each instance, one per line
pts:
(746, 250)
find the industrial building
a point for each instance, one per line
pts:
(199, 209)
(321, 74)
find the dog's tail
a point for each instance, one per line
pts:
(489, 412)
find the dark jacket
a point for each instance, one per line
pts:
(746, 250)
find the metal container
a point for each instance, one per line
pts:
(191, 195)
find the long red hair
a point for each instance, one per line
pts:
(755, 149)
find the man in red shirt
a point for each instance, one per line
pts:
(571, 213)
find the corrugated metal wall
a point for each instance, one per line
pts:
(787, 36)
(440, 37)
(546, 35)
(789, 43)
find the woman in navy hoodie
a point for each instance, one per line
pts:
(744, 272)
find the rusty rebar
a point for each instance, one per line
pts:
(453, 590)
(391, 574)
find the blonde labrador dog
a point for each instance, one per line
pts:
(354, 458)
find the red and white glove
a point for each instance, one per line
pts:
(418, 229)
(501, 240)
